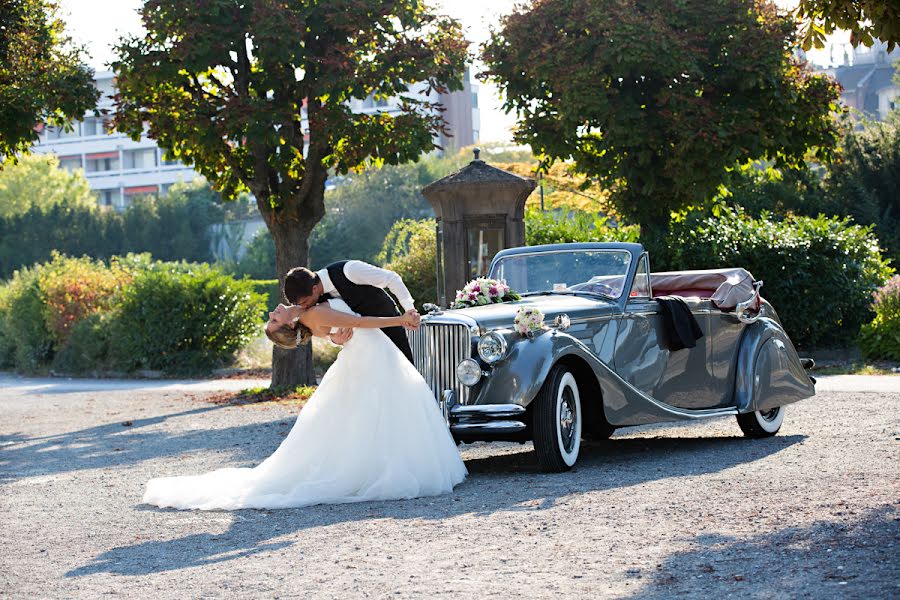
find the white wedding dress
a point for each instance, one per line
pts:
(371, 431)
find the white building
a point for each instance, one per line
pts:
(115, 166)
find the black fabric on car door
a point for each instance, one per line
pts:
(682, 329)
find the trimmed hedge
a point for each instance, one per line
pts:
(819, 273)
(79, 315)
(573, 226)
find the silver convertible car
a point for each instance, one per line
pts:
(607, 357)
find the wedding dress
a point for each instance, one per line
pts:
(371, 431)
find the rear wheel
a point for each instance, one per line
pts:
(760, 424)
(558, 421)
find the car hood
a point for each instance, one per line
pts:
(496, 316)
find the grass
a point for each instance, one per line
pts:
(857, 368)
(262, 396)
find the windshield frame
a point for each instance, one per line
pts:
(626, 284)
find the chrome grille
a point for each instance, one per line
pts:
(437, 348)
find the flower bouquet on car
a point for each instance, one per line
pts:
(481, 291)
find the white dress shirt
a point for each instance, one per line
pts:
(362, 273)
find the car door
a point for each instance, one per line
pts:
(680, 378)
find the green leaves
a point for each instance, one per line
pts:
(867, 20)
(256, 95)
(663, 98)
(43, 79)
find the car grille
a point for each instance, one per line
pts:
(437, 348)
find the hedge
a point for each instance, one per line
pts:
(819, 273)
(79, 315)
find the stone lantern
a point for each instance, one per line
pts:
(480, 210)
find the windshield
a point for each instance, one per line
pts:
(599, 272)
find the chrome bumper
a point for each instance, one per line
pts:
(487, 420)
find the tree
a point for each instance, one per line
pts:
(42, 75)
(867, 20)
(255, 95)
(37, 181)
(667, 96)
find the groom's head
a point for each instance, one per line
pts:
(302, 286)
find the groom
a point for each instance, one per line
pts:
(361, 286)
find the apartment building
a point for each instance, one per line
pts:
(119, 168)
(116, 167)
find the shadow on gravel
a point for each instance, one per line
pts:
(504, 482)
(127, 442)
(852, 557)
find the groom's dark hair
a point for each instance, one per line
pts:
(298, 283)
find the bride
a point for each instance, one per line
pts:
(371, 430)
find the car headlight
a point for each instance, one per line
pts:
(491, 347)
(468, 372)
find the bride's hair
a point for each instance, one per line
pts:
(290, 337)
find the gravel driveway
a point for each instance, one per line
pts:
(656, 512)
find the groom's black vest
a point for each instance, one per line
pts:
(369, 301)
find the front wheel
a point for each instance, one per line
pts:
(557, 421)
(761, 424)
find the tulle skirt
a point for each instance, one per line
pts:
(371, 431)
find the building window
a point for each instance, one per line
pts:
(59, 133)
(94, 126)
(70, 163)
(139, 159)
(111, 197)
(98, 163)
(474, 100)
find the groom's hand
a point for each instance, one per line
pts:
(341, 336)
(416, 319)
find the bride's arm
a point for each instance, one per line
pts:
(321, 316)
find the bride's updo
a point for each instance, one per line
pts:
(290, 337)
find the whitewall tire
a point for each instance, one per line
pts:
(760, 424)
(558, 420)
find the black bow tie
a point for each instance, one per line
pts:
(324, 297)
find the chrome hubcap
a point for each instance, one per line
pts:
(567, 418)
(769, 415)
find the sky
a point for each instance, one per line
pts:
(98, 24)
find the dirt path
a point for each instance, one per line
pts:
(657, 512)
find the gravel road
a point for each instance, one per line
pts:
(656, 512)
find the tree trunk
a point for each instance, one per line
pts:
(291, 367)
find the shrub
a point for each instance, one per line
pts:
(410, 250)
(87, 348)
(819, 273)
(79, 315)
(183, 322)
(258, 261)
(573, 226)
(27, 344)
(881, 337)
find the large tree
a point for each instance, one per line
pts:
(867, 20)
(38, 181)
(658, 98)
(43, 78)
(255, 95)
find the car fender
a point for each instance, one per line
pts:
(768, 373)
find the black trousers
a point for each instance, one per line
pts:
(398, 336)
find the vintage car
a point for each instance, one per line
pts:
(606, 359)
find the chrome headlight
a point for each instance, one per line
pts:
(492, 347)
(468, 372)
